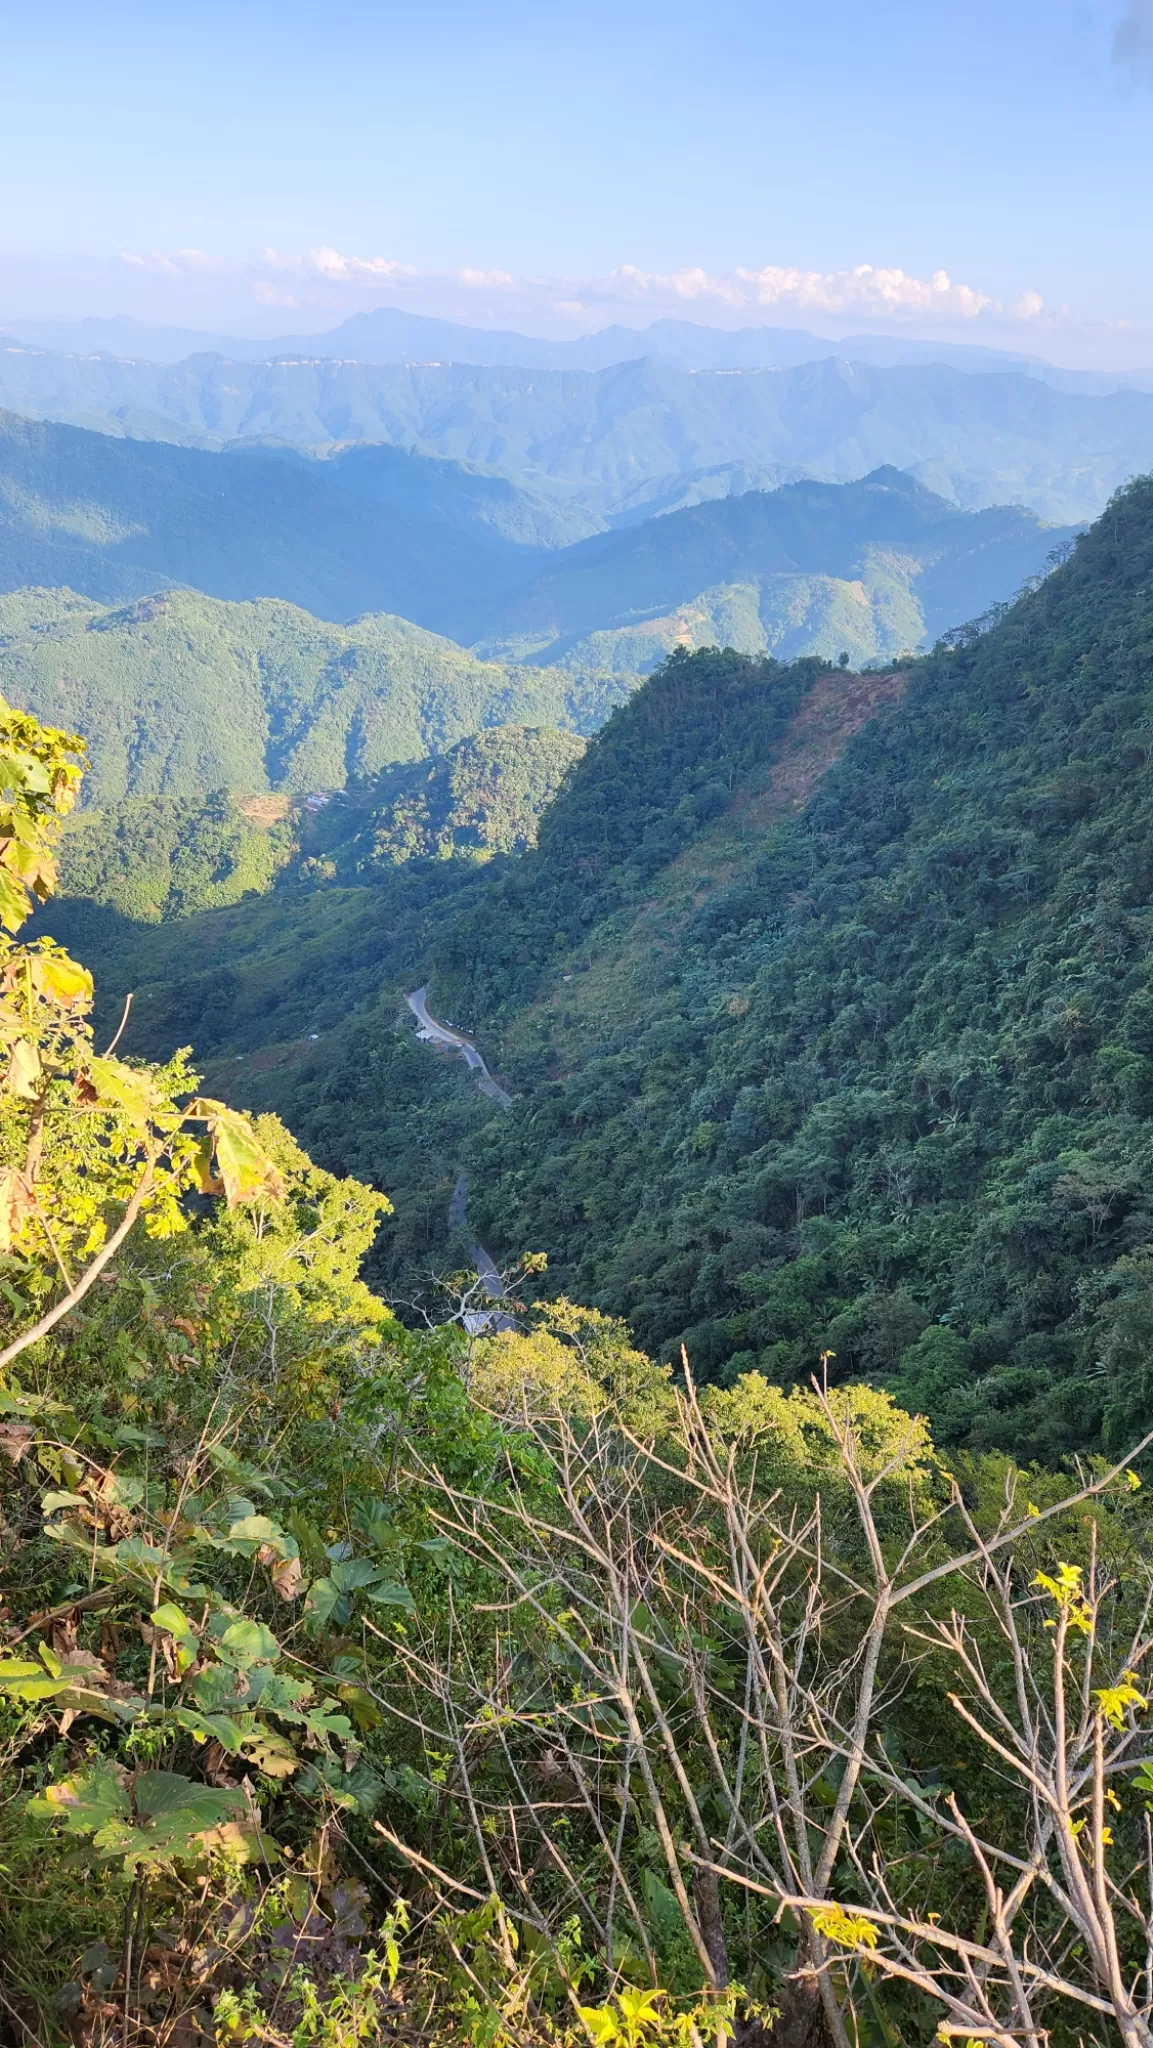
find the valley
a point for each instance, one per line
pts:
(818, 999)
(576, 1026)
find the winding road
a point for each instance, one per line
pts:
(431, 1032)
(434, 1033)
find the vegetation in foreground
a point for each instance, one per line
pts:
(359, 1685)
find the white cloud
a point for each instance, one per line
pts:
(327, 277)
(864, 290)
(377, 273)
(176, 262)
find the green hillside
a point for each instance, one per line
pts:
(826, 1003)
(116, 518)
(160, 857)
(867, 1064)
(482, 797)
(169, 856)
(180, 694)
(872, 568)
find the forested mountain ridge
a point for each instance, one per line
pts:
(865, 566)
(888, 1090)
(873, 568)
(484, 796)
(182, 694)
(614, 440)
(158, 857)
(117, 518)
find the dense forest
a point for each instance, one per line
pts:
(821, 1000)
(152, 858)
(881, 1077)
(492, 1687)
(181, 694)
(876, 565)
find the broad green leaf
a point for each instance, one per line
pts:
(16, 1673)
(354, 1573)
(134, 1554)
(156, 1818)
(215, 1687)
(362, 1706)
(40, 1688)
(162, 1794)
(239, 1842)
(86, 1801)
(326, 1600)
(279, 1693)
(602, 2024)
(249, 1642)
(323, 1721)
(14, 901)
(386, 1593)
(209, 1728)
(271, 1753)
(63, 980)
(255, 1529)
(172, 1619)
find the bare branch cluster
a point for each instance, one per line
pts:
(668, 1685)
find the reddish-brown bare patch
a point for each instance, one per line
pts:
(835, 709)
(265, 811)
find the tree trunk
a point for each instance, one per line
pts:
(801, 2022)
(707, 1900)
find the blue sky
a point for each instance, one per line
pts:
(705, 151)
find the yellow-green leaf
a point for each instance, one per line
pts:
(244, 1172)
(62, 980)
(130, 1089)
(24, 1070)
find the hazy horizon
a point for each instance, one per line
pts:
(967, 174)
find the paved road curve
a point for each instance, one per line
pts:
(488, 1272)
(441, 1034)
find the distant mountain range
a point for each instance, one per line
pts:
(870, 568)
(614, 444)
(388, 335)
